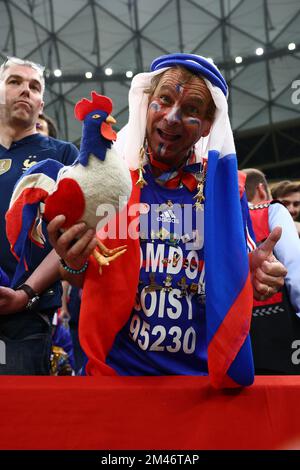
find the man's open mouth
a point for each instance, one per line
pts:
(168, 136)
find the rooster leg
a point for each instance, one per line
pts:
(104, 255)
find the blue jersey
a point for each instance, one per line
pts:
(166, 333)
(13, 162)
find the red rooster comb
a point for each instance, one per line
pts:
(85, 106)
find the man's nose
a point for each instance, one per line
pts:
(174, 115)
(25, 90)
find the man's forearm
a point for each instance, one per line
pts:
(12, 301)
(45, 274)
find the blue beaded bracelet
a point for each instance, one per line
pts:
(74, 271)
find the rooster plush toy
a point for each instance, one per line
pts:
(98, 177)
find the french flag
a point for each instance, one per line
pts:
(24, 218)
(229, 295)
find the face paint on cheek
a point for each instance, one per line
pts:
(155, 106)
(161, 150)
(179, 88)
(195, 122)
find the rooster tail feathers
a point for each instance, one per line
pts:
(23, 218)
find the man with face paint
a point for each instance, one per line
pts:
(178, 116)
(173, 305)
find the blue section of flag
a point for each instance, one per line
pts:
(226, 259)
(242, 368)
(48, 167)
(246, 218)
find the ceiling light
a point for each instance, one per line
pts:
(210, 59)
(259, 51)
(291, 46)
(88, 75)
(238, 59)
(129, 74)
(57, 73)
(108, 71)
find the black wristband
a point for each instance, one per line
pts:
(29, 291)
(33, 297)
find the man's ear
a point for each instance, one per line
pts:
(262, 192)
(206, 127)
(41, 107)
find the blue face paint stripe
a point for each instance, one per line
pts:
(155, 106)
(159, 150)
(194, 121)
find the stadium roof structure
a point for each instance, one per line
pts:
(100, 44)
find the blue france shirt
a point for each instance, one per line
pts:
(166, 333)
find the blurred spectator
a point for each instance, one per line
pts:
(71, 312)
(62, 352)
(275, 321)
(288, 192)
(46, 126)
(28, 304)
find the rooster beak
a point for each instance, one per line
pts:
(110, 120)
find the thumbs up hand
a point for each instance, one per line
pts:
(266, 271)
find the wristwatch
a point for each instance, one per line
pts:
(33, 297)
